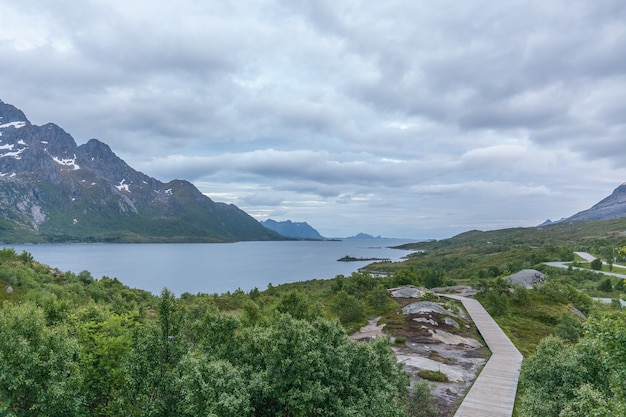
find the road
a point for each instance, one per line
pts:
(566, 265)
(588, 257)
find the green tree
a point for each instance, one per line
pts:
(212, 388)
(497, 303)
(588, 402)
(151, 365)
(420, 403)
(520, 295)
(39, 371)
(569, 328)
(549, 378)
(298, 368)
(587, 378)
(405, 276)
(432, 278)
(298, 305)
(378, 299)
(104, 344)
(605, 285)
(596, 264)
(609, 338)
(348, 309)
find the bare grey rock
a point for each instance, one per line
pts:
(425, 307)
(407, 291)
(451, 322)
(527, 278)
(426, 320)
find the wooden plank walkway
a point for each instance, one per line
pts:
(493, 392)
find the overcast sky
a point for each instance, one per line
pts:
(401, 118)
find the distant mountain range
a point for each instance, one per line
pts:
(298, 230)
(52, 190)
(612, 207)
(364, 236)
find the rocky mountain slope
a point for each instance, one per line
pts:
(612, 207)
(298, 230)
(52, 190)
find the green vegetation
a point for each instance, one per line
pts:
(436, 376)
(420, 402)
(78, 346)
(582, 379)
(73, 345)
(572, 366)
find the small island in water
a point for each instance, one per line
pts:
(348, 258)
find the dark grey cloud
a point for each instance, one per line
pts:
(413, 118)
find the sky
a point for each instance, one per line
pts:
(401, 118)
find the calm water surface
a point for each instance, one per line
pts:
(213, 267)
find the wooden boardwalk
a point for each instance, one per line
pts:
(493, 392)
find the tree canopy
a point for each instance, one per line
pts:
(73, 345)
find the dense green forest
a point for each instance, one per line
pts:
(74, 345)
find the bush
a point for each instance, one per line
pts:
(399, 340)
(520, 295)
(348, 308)
(436, 376)
(596, 264)
(421, 401)
(497, 303)
(569, 328)
(606, 285)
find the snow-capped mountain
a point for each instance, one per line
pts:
(53, 190)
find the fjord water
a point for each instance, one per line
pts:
(213, 267)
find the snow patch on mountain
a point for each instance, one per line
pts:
(12, 154)
(123, 187)
(68, 162)
(16, 125)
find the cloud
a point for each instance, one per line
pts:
(408, 117)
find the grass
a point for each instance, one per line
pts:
(439, 358)
(435, 376)
(399, 341)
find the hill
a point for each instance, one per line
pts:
(52, 190)
(298, 230)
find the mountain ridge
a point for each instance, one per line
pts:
(53, 190)
(298, 230)
(611, 207)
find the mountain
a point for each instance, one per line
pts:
(52, 190)
(363, 236)
(612, 207)
(299, 230)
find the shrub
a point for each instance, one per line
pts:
(399, 340)
(421, 401)
(436, 376)
(569, 328)
(497, 303)
(596, 264)
(605, 285)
